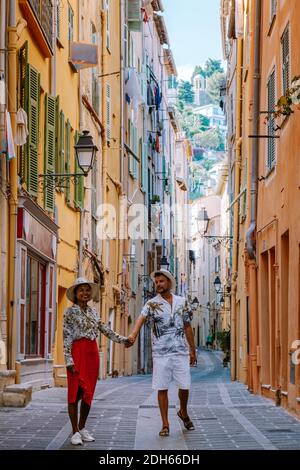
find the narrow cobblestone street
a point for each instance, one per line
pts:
(125, 415)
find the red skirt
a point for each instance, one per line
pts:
(82, 383)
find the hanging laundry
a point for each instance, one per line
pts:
(10, 139)
(22, 127)
(146, 17)
(157, 143)
(133, 90)
(158, 97)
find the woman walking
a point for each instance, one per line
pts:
(80, 330)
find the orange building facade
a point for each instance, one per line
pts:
(265, 175)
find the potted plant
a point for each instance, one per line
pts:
(224, 341)
(285, 104)
(155, 199)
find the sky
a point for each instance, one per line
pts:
(194, 32)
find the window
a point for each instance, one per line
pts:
(58, 20)
(285, 55)
(133, 159)
(217, 263)
(94, 207)
(273, 7)
(95, 81)
(79, 185)
(108, 112)
(35, 308)
(144, 165)
(39, 17)
(271, 123)
(106, 7)
(70, 24)
(133, 268)
(68, 159)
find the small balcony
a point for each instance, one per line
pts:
(39, 16)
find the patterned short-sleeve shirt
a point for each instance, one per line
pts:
(84, 324)
(167, 324)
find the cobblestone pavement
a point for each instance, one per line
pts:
(125, 415)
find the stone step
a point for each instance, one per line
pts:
(18, 395)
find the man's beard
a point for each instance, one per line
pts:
(161, 290)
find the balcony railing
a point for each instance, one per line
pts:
(39, 16)
(43, 11)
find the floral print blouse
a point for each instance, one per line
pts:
(84, 324)
(167, 324)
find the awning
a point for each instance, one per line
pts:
(83, 55)
(161, 29)
(170, 62)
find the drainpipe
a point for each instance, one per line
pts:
(3, 176)
(104, 179)
(122, 195)
(81, 214)
(255, 145)
(237, 173)
(250, 246)
(13, 186)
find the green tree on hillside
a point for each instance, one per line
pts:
(213, 86)
(185, 92)
(212, 66)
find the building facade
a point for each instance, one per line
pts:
(265, 301)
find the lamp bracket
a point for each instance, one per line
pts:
(58, 180)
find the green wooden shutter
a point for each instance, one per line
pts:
(144, 84)
(144, 166)
(108, 112)
(50, 129)
(79, 184)
(136, 152)
(164, 172)
(68, 158)
(57, 135)
(130, 158)
(134, 15)
(22, 170)
(61, 148)
(33, 127)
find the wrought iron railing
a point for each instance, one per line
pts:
(44, 14)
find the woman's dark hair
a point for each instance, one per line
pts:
(76, 289)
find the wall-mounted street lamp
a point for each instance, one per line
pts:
(164, 264)
(202, 220)
(224, 240)
(85, 150)
(195, 304)
(224, 290)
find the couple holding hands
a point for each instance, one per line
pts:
(173, 349)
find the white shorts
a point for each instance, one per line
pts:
(166, 368)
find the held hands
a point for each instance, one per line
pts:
(71, 369)
(193, 358)
(130, 341)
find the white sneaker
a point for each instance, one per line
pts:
(76, 439)
(85, 435)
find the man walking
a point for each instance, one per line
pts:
(173, 347)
